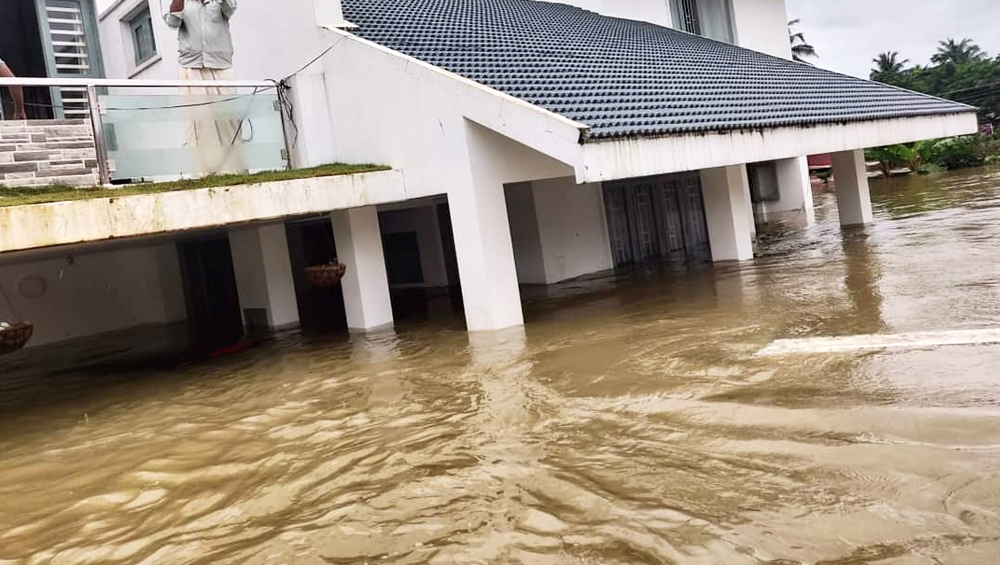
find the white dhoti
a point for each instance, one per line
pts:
(215, 141)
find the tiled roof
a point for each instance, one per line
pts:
(625, 78)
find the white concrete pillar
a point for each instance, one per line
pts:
(850, 175)
(366, 283)
(795, 189)
(264, 275)
(726, 192)
(483, 245)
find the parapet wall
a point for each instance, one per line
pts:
(41, 152)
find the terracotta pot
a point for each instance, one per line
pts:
(325, 276)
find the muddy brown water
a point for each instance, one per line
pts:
(629, 423)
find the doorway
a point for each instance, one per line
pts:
(22, 49)
(321, 310)
(213, 302)
(657, 218)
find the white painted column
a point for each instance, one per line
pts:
(483, 244)
(264, 273)
(850, 175)
(366, 283)
(729, 213)
(795, 189)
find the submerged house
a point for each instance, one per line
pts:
(528, 142)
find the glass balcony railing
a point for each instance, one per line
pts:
(145, 131)
(156, 136)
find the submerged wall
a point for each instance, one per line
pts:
(559, 230)
(76, 295)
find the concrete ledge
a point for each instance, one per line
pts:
(80, 221)
(639, 157)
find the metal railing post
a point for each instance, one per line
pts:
(100, 144)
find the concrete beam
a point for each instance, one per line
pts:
(366, 284)
(264, 278)
(630, 158)
(854, 200)
(796, 198)
(483, 244)
(728, 211)
(101, 219)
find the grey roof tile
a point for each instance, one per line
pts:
(624, 78)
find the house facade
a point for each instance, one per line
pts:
(529, 142)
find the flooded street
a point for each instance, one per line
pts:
(630, 422)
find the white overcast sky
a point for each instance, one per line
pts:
(848, 34)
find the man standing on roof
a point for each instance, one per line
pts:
(16, 92)
(206, 53)
(206, 44)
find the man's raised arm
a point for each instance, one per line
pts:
(228, 8)
(173, 17)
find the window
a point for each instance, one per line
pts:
(686, 17)
(143, 42)
(709, 18)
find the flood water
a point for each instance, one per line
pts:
(628, 423)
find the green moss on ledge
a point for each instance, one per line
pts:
(21, 196)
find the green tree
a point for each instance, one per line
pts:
(801, 49)
(888, 66)
(961, 71)
(958, 53)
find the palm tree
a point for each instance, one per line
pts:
(887, 66)
(800, 47)
(957, 52)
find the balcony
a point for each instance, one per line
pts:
(138, 131)
(164, 156)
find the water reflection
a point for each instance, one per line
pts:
(628, 423)
(862, 281)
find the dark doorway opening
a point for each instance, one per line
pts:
(213, 302)
(402, 258)
(22, 49)
(321, 310)
(448, 241)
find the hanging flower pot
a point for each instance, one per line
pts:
(13, 337)
(326, 276)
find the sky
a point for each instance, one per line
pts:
(848, 34)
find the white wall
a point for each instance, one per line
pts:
(559, 230)
(654, 11)
(267, 43)
(100, 292)
(572, 227)
(524, 233)
(263, 273)
(424, 221)
(762, 25)
(405, 114)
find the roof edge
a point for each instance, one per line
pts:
(765, 128)
(608, 159)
